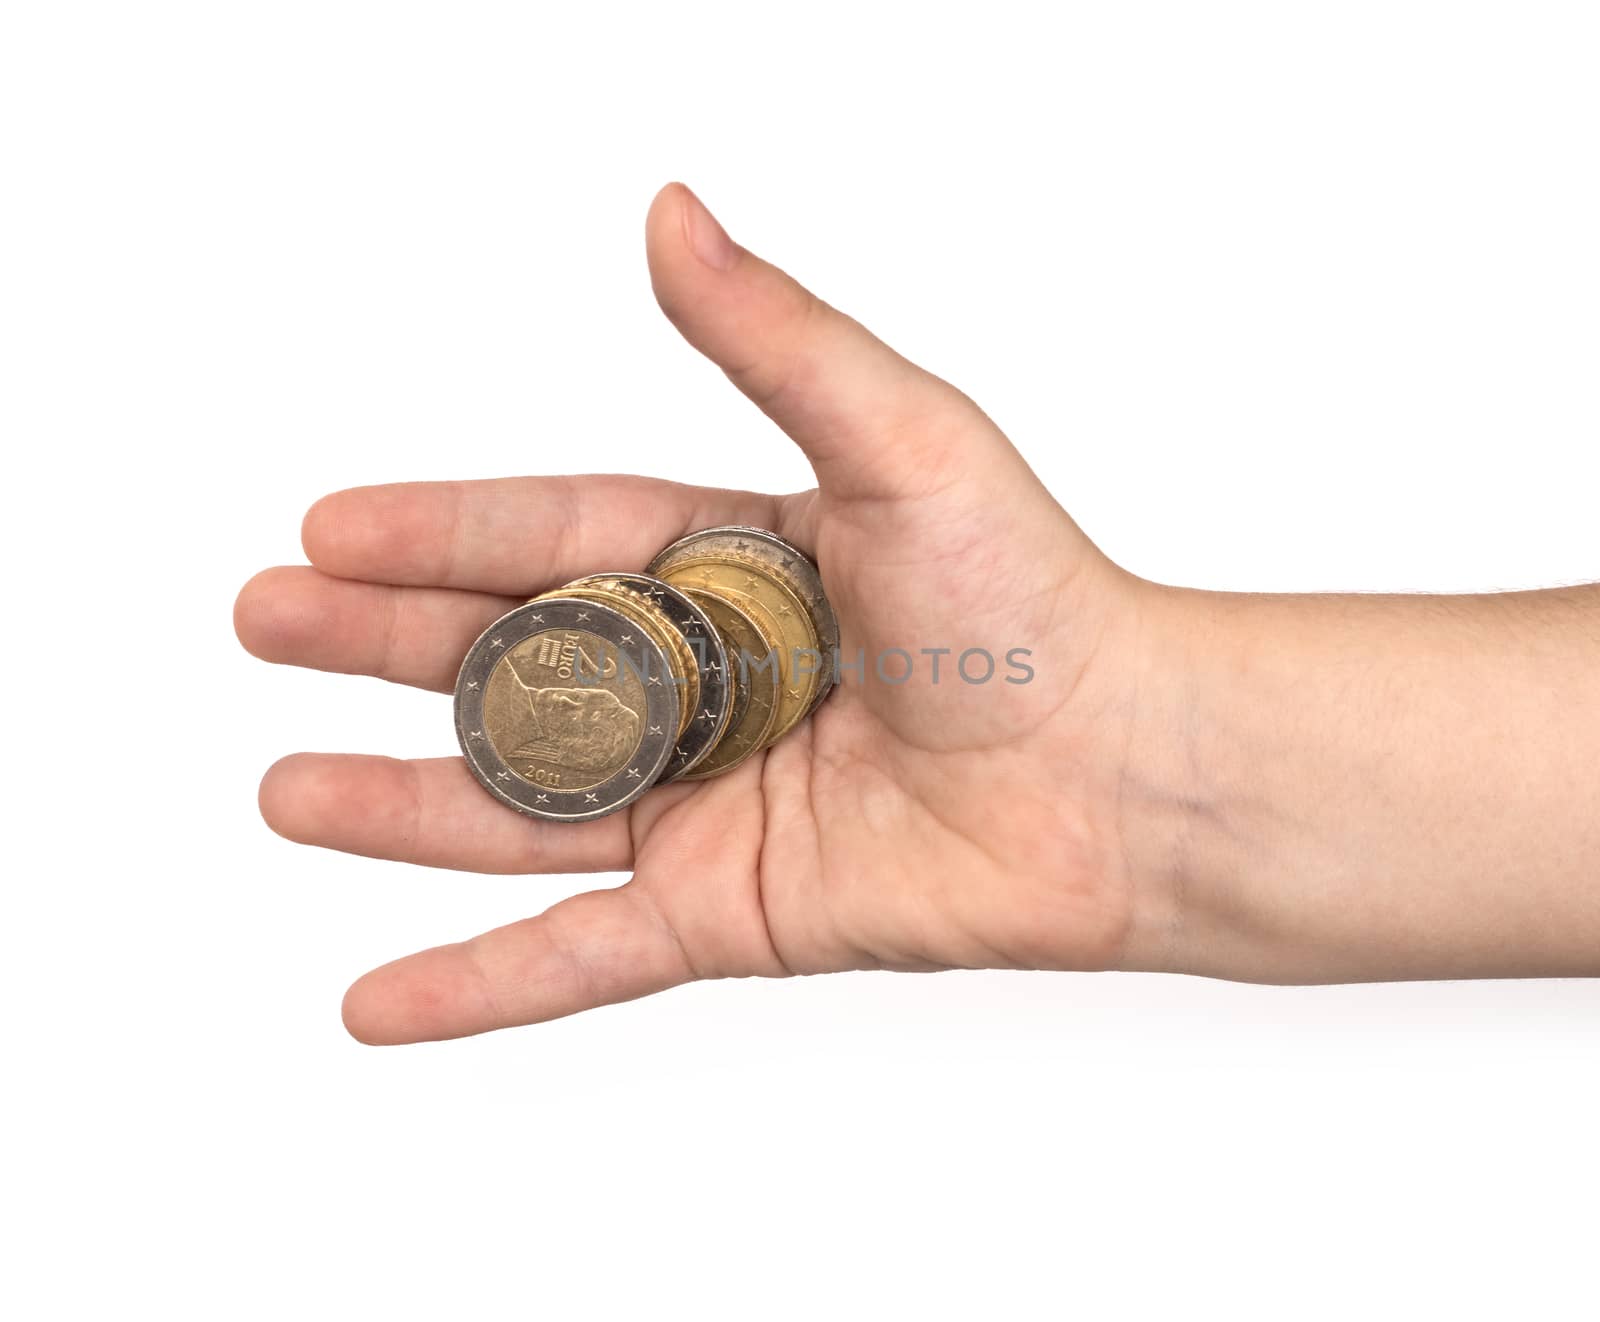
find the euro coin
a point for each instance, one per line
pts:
(782, 560)
(784, 619)
(710, 716)
(755, 705)
(562, 709)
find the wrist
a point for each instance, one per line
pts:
(1158, 790)
(1218, 756)
(1254, 821)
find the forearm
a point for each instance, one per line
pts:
(1359, 787)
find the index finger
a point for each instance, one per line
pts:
(514, 535)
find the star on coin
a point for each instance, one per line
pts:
(655, 729)
(583, 615)
(591, 798)
(633, 773)
(502, 775)
(495, 642)
(541, 798)
(475, 734)
(538, 618)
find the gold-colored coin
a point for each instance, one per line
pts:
(755, 703)
(555, 714)
(758, 594)
(683, 670)
(782, 560)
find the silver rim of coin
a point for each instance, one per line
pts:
(660, 717)
(743, 690)
(707, 725)
(802, 574)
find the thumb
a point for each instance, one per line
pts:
(873, 425)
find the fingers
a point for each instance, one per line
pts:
(873, 424)
(297, 616)
(512, 535)
(590, 950)
(430, 812)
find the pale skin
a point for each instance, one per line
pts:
(1267, 788)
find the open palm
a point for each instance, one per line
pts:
(913, 824)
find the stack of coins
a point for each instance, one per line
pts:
(574, 704)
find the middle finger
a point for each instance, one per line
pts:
(299, 616)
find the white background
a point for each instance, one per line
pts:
(1275, 295)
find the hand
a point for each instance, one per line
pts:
(1269, 787)
(916, 825)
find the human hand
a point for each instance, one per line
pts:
(916, 825)
(1268, 787)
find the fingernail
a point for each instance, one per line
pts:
(709, 240)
